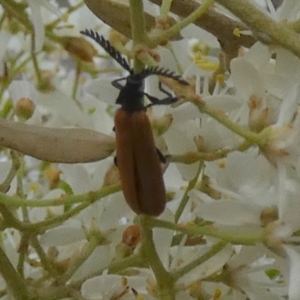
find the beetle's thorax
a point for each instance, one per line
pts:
(131, 96)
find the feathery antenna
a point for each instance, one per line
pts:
(162, 72)
(115, 54)
(106, 45)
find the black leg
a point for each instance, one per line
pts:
(156, 101)
(165, 101)
(161, 88)
(116, 83)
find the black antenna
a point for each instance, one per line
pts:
(106, 45)
(114, 53)
(162, 72)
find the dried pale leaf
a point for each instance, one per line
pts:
(64, 145)
(115, 13)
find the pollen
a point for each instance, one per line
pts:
(34, 187)
(217, 294)
(140, 297)
(220, 78)
(237, 32)
(200, 47)
(222, 164)
(204, 62)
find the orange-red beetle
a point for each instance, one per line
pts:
(138, 163)
(138, 159)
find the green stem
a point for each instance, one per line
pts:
(116, 266)
(165, 7)
(265, 29)
(134, 260)
(90, 197)
(195, 263)
(45, 262)
(76, 84)
(11, 221)
(23, 253)
(69, 11)
(89, 249)
(137, 20)
(35, 62)
(250, 136)
(8, 218)
(4, 186)
(13, 72)
(166, 35)
(14, 10)
(52, 222)
(16, 285)
(224, 120)
(295, 26)
(192, 157)
(165, 282)
(138, 27)
(232, 237)
(186, 197)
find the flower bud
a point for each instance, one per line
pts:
(24, 108)
(132, 236)
(80, 47)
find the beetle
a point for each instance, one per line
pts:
(138, 160)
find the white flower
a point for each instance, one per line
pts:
(247, 272)
(37, 20)
(294, 276)
(109, 286)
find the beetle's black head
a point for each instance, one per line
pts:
(131, 95)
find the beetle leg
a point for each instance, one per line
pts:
(165, 101)
(161, 88)
(116, 83)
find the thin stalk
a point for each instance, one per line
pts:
(35, 62)
(266, 30)
(45, 262)
(197, 262)
(23, 251)
(15, 283)
(89, 249)
(166, 35)
(52, 222)
(76, 85)
(186, 197)
(250, 136)
(89, 197)
(165, 282)
(138, 27)
(239, 238)
(165, 7)
(135, 260)
(5, 185)
(192, 157)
